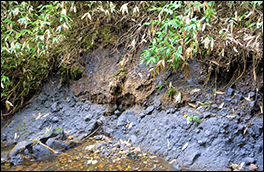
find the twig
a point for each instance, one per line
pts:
(90, 134)
(48, 147)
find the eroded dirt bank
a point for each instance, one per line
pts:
(122, 102)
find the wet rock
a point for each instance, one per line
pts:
(40, 151)
(55, 144)
(20, 147)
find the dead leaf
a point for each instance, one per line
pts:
(192, 105)
(231, 116)
(124, 8)
(185, 146)
(39, 115)
(221, 106)
(241, 166)
(248, 98)
(234, 166)
(178, 98)
(45, 115)
(252, 167)
(196, 90)
(7, 105)
(172, 161)
(219, 92)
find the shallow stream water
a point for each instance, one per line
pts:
(94, 155)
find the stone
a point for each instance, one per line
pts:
(239, 96)
(20, 147)
(88, 117)
(228, 99)
(189, 159)
(214, 106)
(177, 167)
(40, 151)
(55, 144)
(133, 139)
(252, 94)
(101, 120)
(230, 92)
(206, 114)
(249, 161)
(54, 108)
(55, 119)
(15, 160)
(149, 110)
(117, 112)
(122, 120)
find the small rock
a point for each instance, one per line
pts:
(55, 119)
(189, 160)
(133, 138)
(15, 160)
(206, 114)
(228, 99)
(252, 94)
(101, 120)
(177, 167)
(117, 112)
(40, 151)
(214, 106)
(181, 76)
(55, 144)
(239, 96)
(230, 92)
(249, 161)
(149, 110)
(20, 147)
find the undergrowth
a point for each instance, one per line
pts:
(40, 37)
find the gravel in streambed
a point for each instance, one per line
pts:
(100, 153)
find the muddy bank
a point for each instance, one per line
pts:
(132, 109)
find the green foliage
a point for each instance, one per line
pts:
(174, 36)
(58, 129)
(170, 91)
(193, 118)
(28, 31)
(159, 86)
(75, 70)
(206, 103)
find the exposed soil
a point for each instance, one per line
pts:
(107, 81)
